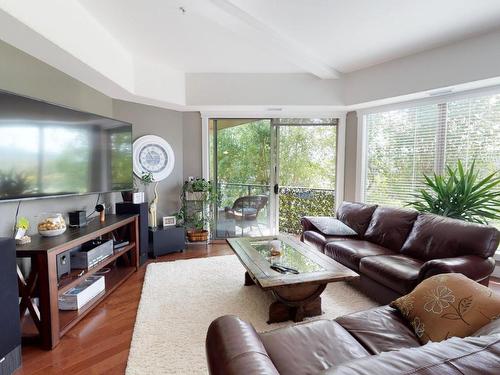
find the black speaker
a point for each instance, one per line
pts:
(77, 219)
(10, 329)
(63, 261)
(142, 210)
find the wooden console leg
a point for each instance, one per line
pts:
(248, 279)
(49, 310)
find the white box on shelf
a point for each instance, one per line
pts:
(80, 295)
(138, 197)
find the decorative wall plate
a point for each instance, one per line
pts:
(153, 154)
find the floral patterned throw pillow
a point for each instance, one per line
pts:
(448, 305)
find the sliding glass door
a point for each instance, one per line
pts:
(242, 173)
(306, 165)
(271, 172)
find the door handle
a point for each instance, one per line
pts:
(276, 189)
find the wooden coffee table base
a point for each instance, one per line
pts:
(293, 302)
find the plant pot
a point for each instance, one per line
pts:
(127, 196)
(197, 235)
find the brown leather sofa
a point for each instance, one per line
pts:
(372, 342)
(397, 248)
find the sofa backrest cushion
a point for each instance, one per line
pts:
(356, 215)
(434, 237)
(389, 227)
(471, 356)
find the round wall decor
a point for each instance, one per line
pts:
(153, 154)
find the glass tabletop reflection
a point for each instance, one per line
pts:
(289, 257)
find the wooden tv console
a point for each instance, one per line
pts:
(45, 323)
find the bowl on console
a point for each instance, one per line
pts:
(52, 225)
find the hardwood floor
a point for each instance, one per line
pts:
(100, 343)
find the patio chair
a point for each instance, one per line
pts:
(246, 209)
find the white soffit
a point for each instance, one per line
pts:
(65, 35)
(68, 25)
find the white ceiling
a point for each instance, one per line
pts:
(157, 29)
(284, 36)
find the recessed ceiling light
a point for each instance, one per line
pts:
(275, 109)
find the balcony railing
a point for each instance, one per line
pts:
(294, 202)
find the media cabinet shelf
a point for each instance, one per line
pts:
(68, 282)
(45, 320)
(113, 279)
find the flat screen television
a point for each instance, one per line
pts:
(48, 150)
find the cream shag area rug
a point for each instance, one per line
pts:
(180, 299)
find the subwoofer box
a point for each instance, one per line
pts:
(142, 210)
(10, 327)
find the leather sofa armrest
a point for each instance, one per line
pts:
(234, 347)
(472, 266)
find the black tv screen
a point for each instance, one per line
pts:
(48, 150)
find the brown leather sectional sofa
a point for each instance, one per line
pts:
(395, 249)
(372, 342)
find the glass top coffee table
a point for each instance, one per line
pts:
(297, 295)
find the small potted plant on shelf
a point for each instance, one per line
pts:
(197, 196)
(197, 189)
(127, 196)
(198, 232)
(21, 230)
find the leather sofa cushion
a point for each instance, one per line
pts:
(398, 272)
(436, 236)
(389, 227)
(311, 347)
(448, 305)
(350, 252)
(471, 356)
(318, 240)
(381, 329)
(356, 215)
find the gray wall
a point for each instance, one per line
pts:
(25, 75)
(351, 145)
(168, 125)
(261, 89)
(469, 60)
(192, 144)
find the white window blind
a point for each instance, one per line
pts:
(404, 144)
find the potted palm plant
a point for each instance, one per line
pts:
(461, 194)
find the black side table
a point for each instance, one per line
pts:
(166, 240)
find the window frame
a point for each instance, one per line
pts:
(206, 116)
(362, 128)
